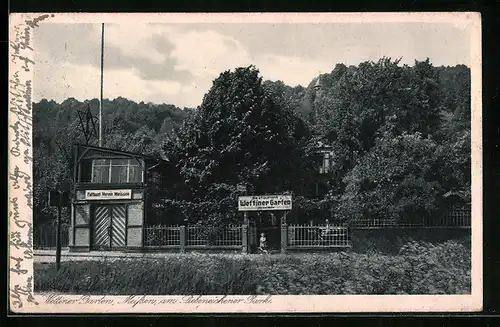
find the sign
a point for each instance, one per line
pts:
(108, 194)
(264, 202)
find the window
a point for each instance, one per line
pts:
(116, 171)
(326, 161)
(325, 165)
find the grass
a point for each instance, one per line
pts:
(418, 268)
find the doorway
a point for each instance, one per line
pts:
(269, 223)
(109, 228)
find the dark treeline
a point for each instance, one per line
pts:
(400, 134)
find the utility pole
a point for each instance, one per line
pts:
(102, 79)
(58, 199)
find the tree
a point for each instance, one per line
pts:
(239, 135)
(397, 180)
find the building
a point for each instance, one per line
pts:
(110, 199)
(325, 157)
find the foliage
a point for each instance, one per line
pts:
(410, 121)
(396, 179)
(243, 133)
(419, 268)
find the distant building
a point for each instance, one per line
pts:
(324, 163)
(318, 84)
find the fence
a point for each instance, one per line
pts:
(455, 218)
(237, 237)
(44, 237)
(317, 237)
(195, 237)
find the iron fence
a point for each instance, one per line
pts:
(230, 236)
(44, 237)
(455, 218)
(193, 236)
(162, 236)
(318, 236)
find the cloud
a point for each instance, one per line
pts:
(176, 63)
(206, 54)
(291, 70)
(143, 48)
(83, 82)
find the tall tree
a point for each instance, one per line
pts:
(240, 134)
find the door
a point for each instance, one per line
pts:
(118, 226)
(109, 227)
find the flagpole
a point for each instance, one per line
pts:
(102, 70)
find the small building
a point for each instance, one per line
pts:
(109, 204)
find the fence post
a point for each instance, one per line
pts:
(182, 238)
(284, 238)
(244, 238)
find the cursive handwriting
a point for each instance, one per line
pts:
(20, 175)
(14, 213)
(17, 242)
(17, 291)
(17, 268)
(20, 105)
(20, 182)
(21, 136)
(22, 41)
(135, 300)
(20, 102)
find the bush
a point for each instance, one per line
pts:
(419, 268)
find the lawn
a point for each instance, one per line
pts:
(418, 268)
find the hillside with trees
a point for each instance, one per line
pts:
(400, 134)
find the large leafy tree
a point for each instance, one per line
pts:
(356, 105)
(241, 134)
(397, 179)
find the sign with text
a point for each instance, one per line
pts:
(264, 202)
(108, 194)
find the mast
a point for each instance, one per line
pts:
(102, 79)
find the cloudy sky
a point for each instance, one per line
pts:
(176, 63)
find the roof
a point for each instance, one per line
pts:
(318, 82)
(109, 150)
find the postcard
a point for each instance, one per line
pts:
(245, 163)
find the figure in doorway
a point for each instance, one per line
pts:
(263, 243)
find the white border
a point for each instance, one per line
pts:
(312, 304)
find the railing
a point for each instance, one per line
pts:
(456, 218)
(191, 237)
(230, 236)
(44, 237)
(162, 236)
(318, 236)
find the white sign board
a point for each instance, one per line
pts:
(264, 202)
(108, 194)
